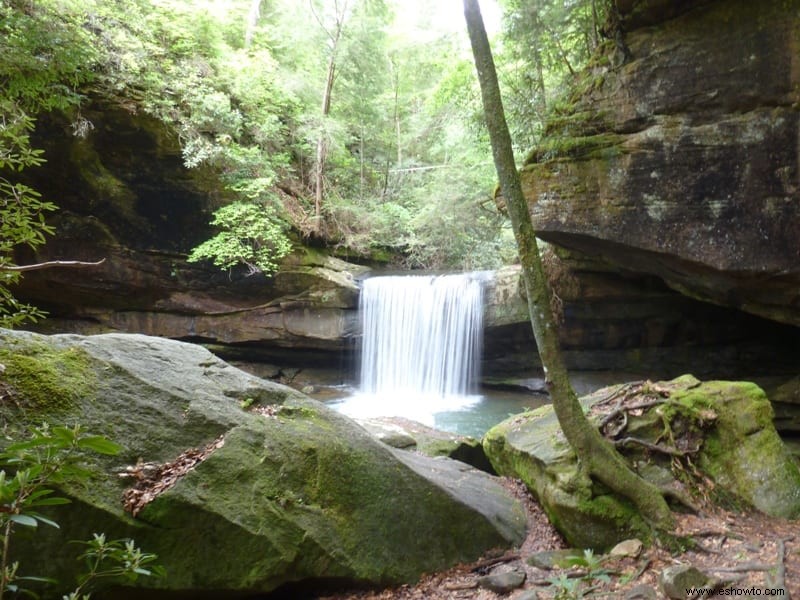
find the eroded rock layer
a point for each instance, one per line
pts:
(679, 155)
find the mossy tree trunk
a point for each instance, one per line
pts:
(596, 455)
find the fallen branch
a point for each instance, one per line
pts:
(490, 562)
(621, 409)
(455, 587)
(654, 447)
(51, 264)
(780, 567)
(744, 568)
(619, 391)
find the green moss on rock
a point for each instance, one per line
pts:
(300, 492)
(43, 379)
(743, 452)
(532, 448)
(729, 422)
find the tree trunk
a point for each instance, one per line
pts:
(594, 452)
(252, 21)
(322, 144)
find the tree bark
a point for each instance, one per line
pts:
(50, 264)
(594, 452)
(252, 21)
(322, 144)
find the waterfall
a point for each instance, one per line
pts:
(421, 335)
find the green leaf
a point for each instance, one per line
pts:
(25, 520)
(99, 444)
(56, 501)
(45, 520)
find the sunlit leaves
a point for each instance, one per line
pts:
(250, 234)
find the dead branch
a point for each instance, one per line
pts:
(51, 264)
(490, 562)
(654, 447)
(619, 391)
(707, 533)
(455, 587)
(780, 567)
(743, 568)
(625, 409)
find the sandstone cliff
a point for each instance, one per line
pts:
(678, 155)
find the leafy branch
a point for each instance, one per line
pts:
(28, 471)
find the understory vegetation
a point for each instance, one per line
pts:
(30, 470)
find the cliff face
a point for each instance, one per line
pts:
(679, 156)
(680, 165)
(125, 196)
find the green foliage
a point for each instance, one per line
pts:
(29, 470)
(121, 560)
(22, 210)
(546, 44)
(250, 234)
(407, 166)
(592, 570)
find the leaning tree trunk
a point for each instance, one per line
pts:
(594, 452)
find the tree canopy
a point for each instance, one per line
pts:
(345, 123)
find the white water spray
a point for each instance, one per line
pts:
(421, 345)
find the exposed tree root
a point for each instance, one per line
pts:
(621, 443)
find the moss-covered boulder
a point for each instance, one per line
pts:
(743, 453)
(724, 428)
(532, 447)
(290, 491)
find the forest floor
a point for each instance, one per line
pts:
(746, 552)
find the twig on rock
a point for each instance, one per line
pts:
(490, 562)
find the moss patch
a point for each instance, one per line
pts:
(43, 379)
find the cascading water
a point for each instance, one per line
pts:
(421, 335)
(421, 345)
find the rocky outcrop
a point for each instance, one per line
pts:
(125, 196)
(293, 492)
(620, 320)
(724, 427)
(399, 432)
(678, 154)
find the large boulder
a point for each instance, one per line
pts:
(725, 428)
(677, 155)
(289, 490)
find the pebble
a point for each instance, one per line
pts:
(502, 583)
